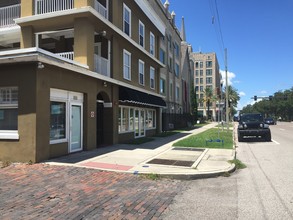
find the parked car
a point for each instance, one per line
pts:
(252, 125)
(270, 121)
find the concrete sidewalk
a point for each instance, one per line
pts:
(156, 157)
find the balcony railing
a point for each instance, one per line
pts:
(102, 66)
(101, 9)
(8, 14)
(47, 6)
(67, 55)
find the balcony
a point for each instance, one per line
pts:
(66, 55)
(101, 9)
(102, 65)
(8, 14)
(48, 6)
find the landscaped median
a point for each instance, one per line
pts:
(211, 138)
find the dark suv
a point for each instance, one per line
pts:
(253, 125)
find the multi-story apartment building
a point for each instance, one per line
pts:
(206, 75)
(175, 75)
(79, 74)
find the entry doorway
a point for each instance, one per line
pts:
(139, 123)
(100, 123)
(75, 127)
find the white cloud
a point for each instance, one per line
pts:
(263, 92)
(242, 94)
(231, 76)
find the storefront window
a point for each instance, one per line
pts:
(8, 112)
(58, 121)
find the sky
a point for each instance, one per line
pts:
(258, 36)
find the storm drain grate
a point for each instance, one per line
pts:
(180, 163)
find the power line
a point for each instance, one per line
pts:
(217, 25)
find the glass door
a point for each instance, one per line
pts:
(139, 123)
(76, 128)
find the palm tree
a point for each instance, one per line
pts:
(233, 99)
(208, 98)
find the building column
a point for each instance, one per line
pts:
(84, 37)
(27, 37)
(27, 8)
(83, 3)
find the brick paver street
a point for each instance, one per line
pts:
(42, 191)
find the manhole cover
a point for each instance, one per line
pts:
(180, 163)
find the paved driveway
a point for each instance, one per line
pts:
(43, 191)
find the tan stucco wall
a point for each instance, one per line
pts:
(34, 110)
(22, 150)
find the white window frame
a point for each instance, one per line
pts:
(129, 127)
(177, 93)
(152, 78)
(152, 44)
(11, 104)
(163, 90)
(141, 34)
(69, 98)
(124, 20)
(152, 118)
(141, 72)
(128, 76)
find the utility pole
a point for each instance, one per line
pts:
(227, 91)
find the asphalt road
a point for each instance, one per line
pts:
(264, 190)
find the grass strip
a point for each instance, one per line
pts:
(200, 140)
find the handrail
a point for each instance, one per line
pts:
(8, 14)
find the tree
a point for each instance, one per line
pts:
(280, 106)
(233, 99)
(194, 104)
(208, 98)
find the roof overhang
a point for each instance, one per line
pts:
(101, 23)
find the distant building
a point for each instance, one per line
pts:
(175, 76)
(206, 74)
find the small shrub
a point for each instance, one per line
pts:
(238, 164)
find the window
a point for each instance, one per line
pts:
(209, 63)
(125, 119)
(171, 90)
(209, 72)
(141, 72)
(126, 20)
(162, 56)
(150, 119)
(201, 80)
(196, 65)
(127, 65)
(177, 52)
(9, 112)
(196, 72)
(201, 88)
(196, 81)
(57, 120)
(152, 44)
(177, 93)
(201, 64)
(209, 80)
(141, 34)
(152, 78)
(201, 72)
(162, 86)
(176, 69)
